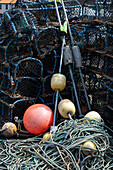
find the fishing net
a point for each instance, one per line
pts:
(63, 151)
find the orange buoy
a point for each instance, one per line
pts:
(38, 118)
(10, 129)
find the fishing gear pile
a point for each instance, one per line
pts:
(76, 144)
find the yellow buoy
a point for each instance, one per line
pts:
(58, 81)
(65, 107)
(93, 115)
(46, 137)
(89, 145)
(10, 129)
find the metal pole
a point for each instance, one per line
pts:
(75, 90)
(61, 60)
(89, 107)
(72, 42)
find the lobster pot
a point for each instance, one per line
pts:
(99, 41)
(44, 11)
(48, 39)
(23, 87)
(93, 82)
(46, 85)
(73, 9)
(89, 10)
(9, 50)
(47, 93)
(98, 62)
(109, 66)
(27, 67)
(11, 107)
(96, 37)
(109, 39)
(50, 64)
(94, 60)
(27, 86)
(99, 103)
(21, 21)
(5, 82)
(80, 35)
(39, 10)
(108, 11)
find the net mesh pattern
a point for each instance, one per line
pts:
(28, 87)
(47, 40)
(29, 67)
(11, 107)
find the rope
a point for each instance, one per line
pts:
(63, 151)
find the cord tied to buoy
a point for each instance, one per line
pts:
(58, 81)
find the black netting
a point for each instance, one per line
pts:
(109, 69)
(46, 89)
(94, 60)
(22, 20)
(47, 40)
(28, 87)
(5, 83)
(20, 107)
(11, 107)
(29, 67)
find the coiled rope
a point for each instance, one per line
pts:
(63, 151)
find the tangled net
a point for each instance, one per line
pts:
(63, 151)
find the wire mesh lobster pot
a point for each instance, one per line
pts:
(90, 9)
(45, 11)
(108, 10)
(48, 39)
(102, 40)
(27, 67)
(5, 83)
(9, 50)
(20, 87)
(19, 22)
(11, 107)
(92, 59)
(98, 62)
(73, 9)
(50, 63)
(79, 33)
(26, 87)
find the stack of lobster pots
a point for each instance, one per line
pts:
(28, 58)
